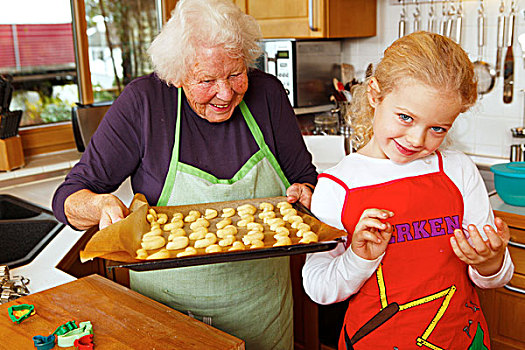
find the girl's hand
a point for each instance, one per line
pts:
(485, 256)
(371, 234)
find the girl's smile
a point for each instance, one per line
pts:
(410, 122)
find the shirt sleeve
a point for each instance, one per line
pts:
(499, 279)
(478, 211)
(331, 277)
(111, 156)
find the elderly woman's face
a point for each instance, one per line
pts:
(215, 84)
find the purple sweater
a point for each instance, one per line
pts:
(136, 138)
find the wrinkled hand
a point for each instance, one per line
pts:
(485, 256)
(299, 192)
(372, 234)
(111, 210)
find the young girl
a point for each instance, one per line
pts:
(413, 213)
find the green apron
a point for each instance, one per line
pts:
(252, 299)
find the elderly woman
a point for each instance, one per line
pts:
(203, 128)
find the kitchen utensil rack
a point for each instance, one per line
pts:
(421, 2)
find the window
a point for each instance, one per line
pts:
(37, 57)
(119, 33)
(110, 37)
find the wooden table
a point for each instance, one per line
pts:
(121, 318)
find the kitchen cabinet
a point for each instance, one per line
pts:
(313, 18)
(504, 307)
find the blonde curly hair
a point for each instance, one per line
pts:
(207, 24)
(429, 58)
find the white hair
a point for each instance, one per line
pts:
(202, 23)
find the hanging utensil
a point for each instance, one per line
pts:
(417, 17)
(450, 20)
(431, 27)
(402, 20)
(485, 73)
(508, 73)
(501, 37)
(459, 23)
(443, 20)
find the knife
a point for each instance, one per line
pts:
(508, 74)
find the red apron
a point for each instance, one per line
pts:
(431, 302)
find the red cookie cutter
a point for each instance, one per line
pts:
(85, 343)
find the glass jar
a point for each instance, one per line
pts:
(326, 124)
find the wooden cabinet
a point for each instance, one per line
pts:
(504, 308)
(313, 18)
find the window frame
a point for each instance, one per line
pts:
(59, 136)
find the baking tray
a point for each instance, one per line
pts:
(239, 255)
(329, 238)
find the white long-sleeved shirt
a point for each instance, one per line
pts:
(333, 276)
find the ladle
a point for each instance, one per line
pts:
(485, 72)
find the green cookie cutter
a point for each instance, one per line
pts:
(64, 328)
(17, 314)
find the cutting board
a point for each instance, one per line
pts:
(121, 318)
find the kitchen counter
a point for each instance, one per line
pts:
(498, 205)
(42, 272)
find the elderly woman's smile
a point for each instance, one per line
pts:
(216, 84)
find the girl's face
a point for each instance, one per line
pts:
(215, 84)
(410, 122)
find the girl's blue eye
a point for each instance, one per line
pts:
(405, 118)
(438, 129)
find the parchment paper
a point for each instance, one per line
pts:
(120, 241)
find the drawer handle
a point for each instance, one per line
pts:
(517, 245)
(514, 289)
(311, 16)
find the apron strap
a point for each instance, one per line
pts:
(172, 171)
(440, 161)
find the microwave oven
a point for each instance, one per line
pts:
(306, 68)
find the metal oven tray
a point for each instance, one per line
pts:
(329, 238)
(228, 256)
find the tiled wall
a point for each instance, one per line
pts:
(485, 129)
